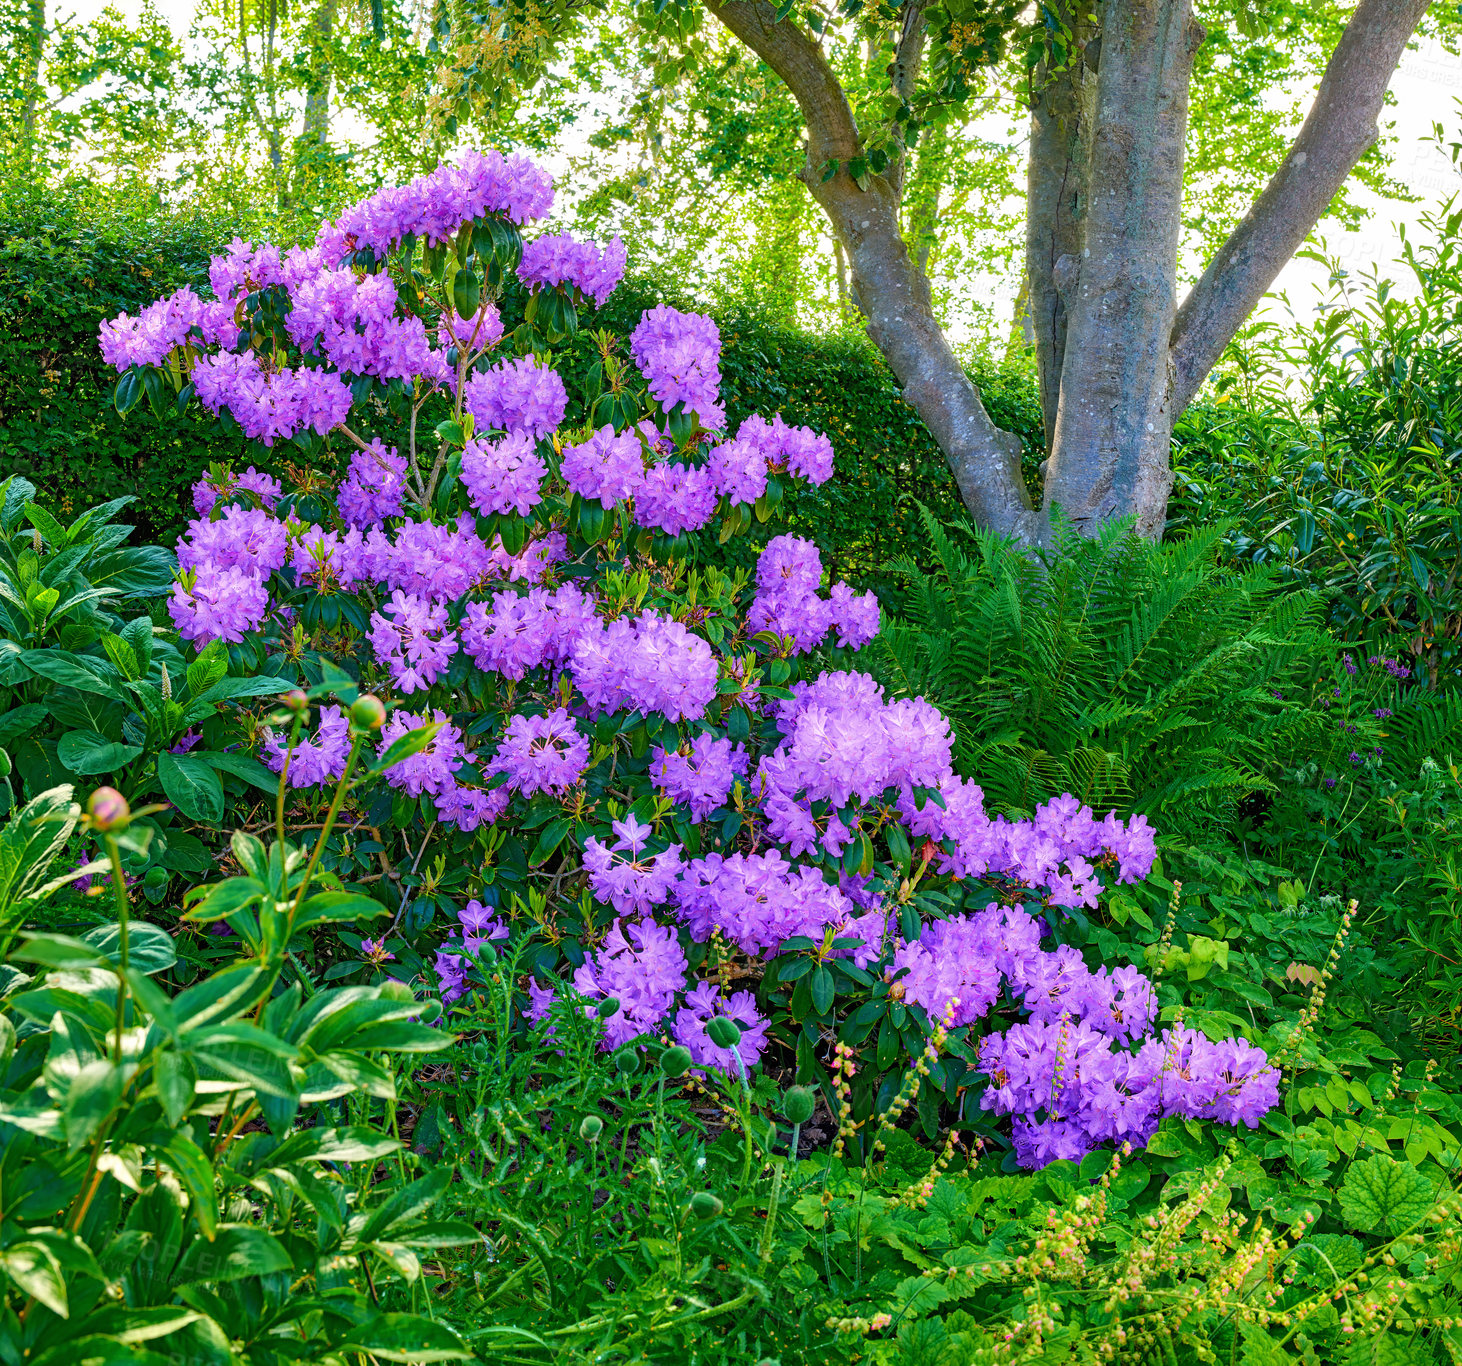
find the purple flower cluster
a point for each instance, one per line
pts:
(679, 355)
(150, 337)
(265, 487)
(542, 753)
(558, 259)
(673, 497)
(374, 487)
(802, 451)
(503, 475)
(642, 966)
(787, 602)
(270, 405)
(702, 1005)
(527, 631)
(649, 663)
(517, 396)
(312, 763)
(1071, 1086)
(412, 639)
(626, 874)
(434, 206)
(699, 775)
(606, 468)
(433, 772)
(220, 604)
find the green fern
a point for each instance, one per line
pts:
(1139, 677)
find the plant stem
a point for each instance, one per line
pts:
(326, 825)
(119, 886)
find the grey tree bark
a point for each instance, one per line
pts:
(1113, 424)
(1118, 359)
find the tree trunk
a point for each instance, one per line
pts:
(889, 288)
(1062, 114)
(1114, 415)
(35, 38)
(316, 129)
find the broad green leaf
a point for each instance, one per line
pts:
(150, 948)
(406, 1337)
(35, 1271)
(93, 1095)
(225, 898)
(176, 1078)
(192, 786)
(18, 722)
(242, 766)
(30, 841)
(236, 1251)
(1385, 1195)
(86, 752)
(413, 742)
(337, 907)
(71, 671)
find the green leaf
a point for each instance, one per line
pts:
(406, 1337)
(335, 908)
(413, 742)
(236, 1251)
(242, 766)
(195, 1172)
(225, 898)
(18, 722)
(69, 670)
(86, 752)
(93, 1095)
(176, 1079)
(192, 786)
(1384, 1194)
(150, 948)
(549, 839)
(34, 1269)
(824, 989)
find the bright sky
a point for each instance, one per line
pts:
(1427, 88)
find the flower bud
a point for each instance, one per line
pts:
(368, 712)
(627, 1061)
(156, 878)
(590, 1127)
(704, 1205)
(608, 1007)
(295, 700)
(108, 809)
(675, 1062)
(723, 1032)
(798, 1103)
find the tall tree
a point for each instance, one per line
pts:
(1108, 91)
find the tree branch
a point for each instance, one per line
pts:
(1340, 126)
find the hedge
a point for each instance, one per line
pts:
(65, 265)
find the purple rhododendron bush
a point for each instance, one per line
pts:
(666, 794)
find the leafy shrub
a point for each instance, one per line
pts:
(1334, 450)
(144, 1200)
(1139, 677)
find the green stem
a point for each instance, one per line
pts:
(294, 735)
(119, 886)
(330, 817)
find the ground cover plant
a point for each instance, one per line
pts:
(613, 967)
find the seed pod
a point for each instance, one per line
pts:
(704, 1205)
(675, 1062)
(798, 1103)
(724, 1032)
(607, 1007)
(368, 712)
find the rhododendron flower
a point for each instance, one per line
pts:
(542, 753)
(606, 468)
(503, 475)
(265, 487)
(679, 355)
(642, 966)
(558, 259)
(624, 874)
(412, 639)
(702, 1005)
(374, 487)
(517, 396)
(221, 605)
(312, 762)
(701, 779)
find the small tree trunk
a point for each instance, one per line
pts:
(1114, 415)
(316, 128)
(1062, 114)
(35, 48)
(892, 293)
